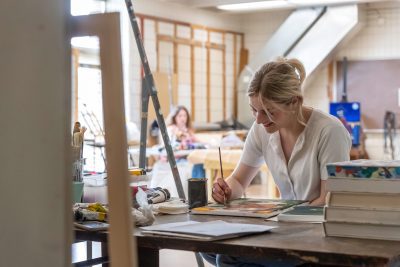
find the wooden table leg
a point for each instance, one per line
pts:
(89, 254)
(149, 257)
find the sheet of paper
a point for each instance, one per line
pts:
(212, 228)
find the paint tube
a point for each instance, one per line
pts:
(89, 215)
(158, 195)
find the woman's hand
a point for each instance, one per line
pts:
(221, 192)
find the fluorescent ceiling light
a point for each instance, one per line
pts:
(321, 2)
(275, 4)
(256, 5)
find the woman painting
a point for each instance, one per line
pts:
(295, 141)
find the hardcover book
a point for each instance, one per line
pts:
(382, 201)
(362, 230)
(302, 214)
(248, 207)
(379, 169)
(337, 184)
(362, 215)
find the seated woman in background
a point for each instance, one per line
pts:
(180, 129)
(182, 137)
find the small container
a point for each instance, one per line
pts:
(197, 192)
(77, 192)
(98, 179)
(77, 170)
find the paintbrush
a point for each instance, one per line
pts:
(222, 173)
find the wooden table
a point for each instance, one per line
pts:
(290, 240)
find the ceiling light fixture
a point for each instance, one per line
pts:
(322, 2)
(251, 6)
(282, 4)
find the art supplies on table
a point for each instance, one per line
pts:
(207, 231)
(198, 195)
(90, 212)
(222, 172)
(173, 206)
(138, 175)
(96, 212)
(157, 195)
(154, 195)
(248, 207)
(77, 152)
(302, 213)
(137, 171)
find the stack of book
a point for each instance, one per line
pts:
(363, 200)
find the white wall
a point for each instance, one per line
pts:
(35, 202)
(376, 41)
(186, 14)
(259, 27)
(316, 92)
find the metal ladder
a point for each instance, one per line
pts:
(149, 89)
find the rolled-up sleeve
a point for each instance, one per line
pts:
(252, 152)
(334, 146)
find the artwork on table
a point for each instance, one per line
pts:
(248, 207)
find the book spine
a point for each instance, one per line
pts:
(328, 198)
(381, 201)
(364, 231)
(345, 184)
(324, 224)
(362, 215)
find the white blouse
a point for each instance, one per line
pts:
(323, 140)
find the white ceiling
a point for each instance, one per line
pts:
(212, 4)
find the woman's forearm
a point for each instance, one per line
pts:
(318, 202)
(240, 179)
(236, 187)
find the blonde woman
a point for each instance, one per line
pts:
(295, 141)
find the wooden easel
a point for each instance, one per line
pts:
(122, 245)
